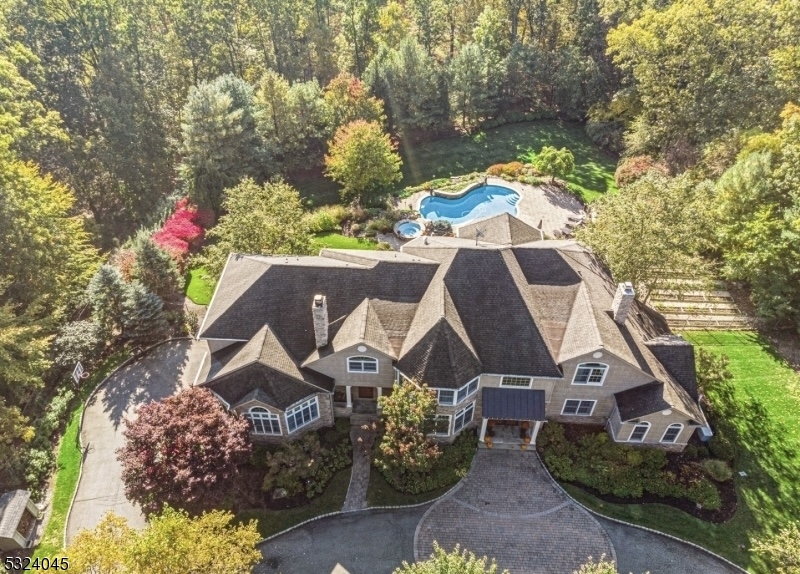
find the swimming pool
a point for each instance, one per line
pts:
(478, 203)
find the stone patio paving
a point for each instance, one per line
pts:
(508, 507)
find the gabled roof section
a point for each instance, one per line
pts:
(502, 229)
(258, 290)
(437, 349)
(496, 316)
(677, 356)
(655, 397)
(263, 364)
(581, 335)
(12, 506)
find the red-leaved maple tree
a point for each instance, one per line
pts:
(183, 451)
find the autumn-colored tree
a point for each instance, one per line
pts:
(347, 99)
(364, 160)
(171, 542)
(183, 451)
(406, 417)
(458, 561)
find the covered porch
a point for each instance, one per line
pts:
(511, 417)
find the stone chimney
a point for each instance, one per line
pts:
(623, 301)
(319, 310)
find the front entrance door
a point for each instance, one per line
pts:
(366, 393)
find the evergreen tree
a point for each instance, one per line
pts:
(106, 292)
(155, 269)
(469, 87)
(77, 341)
(220, 146)
(143, 318)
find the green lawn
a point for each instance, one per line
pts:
(198, 288)
(381, 493)
(339, 241)
(768, 399)
(273, 521)
(593, 175)
(69, 462)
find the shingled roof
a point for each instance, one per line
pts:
(262, 369)
(656, 397)
(444, 308)
(501, 229)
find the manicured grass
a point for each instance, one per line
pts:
(381, 493)
(69, 462)
(339, 241)
(593, 175)
(198, 287)
(273, 521)
(767, 399)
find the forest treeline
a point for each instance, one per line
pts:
(111, 109)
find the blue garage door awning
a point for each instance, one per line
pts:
(513, 404)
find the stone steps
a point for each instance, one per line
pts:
(359, 420)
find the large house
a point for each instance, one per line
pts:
(510, 333)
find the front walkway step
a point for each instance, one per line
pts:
(362, 440)
(359, 420)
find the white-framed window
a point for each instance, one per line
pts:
(467, 390)
(590, 374)
(463, 417)
(578, 407)
(303, 414)
(450, 397)
(440, 425)
(519, 382)
(263, 422)
(639, 432)
(672, 433)
(362, 365)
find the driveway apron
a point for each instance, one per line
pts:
(509, 508)
(161, 373)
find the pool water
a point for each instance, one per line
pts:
(481, 202)
(409, 229)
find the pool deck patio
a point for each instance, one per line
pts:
(548, 204)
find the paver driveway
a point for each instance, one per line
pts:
(508, 507)
(161, 373)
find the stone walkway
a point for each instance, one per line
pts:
(362, 440)
(508, 507)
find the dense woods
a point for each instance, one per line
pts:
(111, 112)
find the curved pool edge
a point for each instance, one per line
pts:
(489, 180)
(475, 213)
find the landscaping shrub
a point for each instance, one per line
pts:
(327, 218)
(381, 224)
(594, 460)
(305, 466)
(383, 246)
(721, 446)
(512, 169)
(355, 229)
(495, 170)
(451, 466)
(183, 230)
(717, 469)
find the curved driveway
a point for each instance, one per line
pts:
(161, 373)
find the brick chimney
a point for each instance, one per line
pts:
(623, 301)
(319, 310)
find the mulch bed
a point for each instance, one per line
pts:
(676, 461)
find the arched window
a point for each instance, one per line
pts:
(263, 422)
(362, 365)
(639, 432)
(672, 433)
(590, 374)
